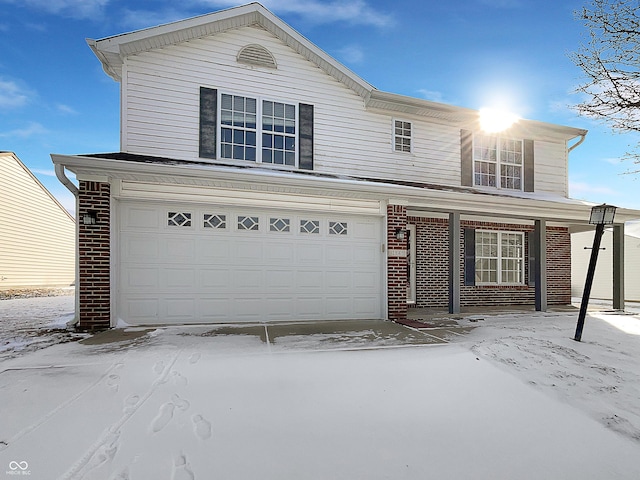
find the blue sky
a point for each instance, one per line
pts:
(513, 54)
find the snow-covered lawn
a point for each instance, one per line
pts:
(515, 398)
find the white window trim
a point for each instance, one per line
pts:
(498, 185)
(499, 259)
(393, 136)
(259, 99)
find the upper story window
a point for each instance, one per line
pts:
(497, 162)
(258, 131)
(402, 136)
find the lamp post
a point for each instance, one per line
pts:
(601, 215)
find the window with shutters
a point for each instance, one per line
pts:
(497, 162)
(499, 258)
(258, 130)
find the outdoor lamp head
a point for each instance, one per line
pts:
(602, 214)
(400, 233)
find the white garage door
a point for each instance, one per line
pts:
(186, 264)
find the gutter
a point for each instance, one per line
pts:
(59, 169)
(582, 138)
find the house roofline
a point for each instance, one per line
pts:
(111, 51)
(38, 182)
(426, 198)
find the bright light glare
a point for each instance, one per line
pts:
(627, 324)
(493, 121)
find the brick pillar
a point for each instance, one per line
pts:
(94, 256)
(396, 263)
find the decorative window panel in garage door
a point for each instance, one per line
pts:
(186, 264)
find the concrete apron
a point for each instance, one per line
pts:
(317, 335)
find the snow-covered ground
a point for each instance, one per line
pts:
(30, 323)
(516, 398)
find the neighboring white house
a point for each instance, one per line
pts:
(258, 179)
(37, 235)
(602, 287)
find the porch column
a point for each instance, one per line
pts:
(540, 255)
(454, 263)
(396, 262)
(618, 266)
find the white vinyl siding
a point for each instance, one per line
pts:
(161, 94)
(602, 284)
(37, 237)
(551, 168)
(160, 98)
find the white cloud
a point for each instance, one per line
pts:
(48, 173)
(70, 8)
(315, 11)
(136, 19)
(65, 109)
(583, 190)
(431, 95)
(30, 130)
(12, 95)
(613, 160)
(351, 54)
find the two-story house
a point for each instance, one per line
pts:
(259, 179)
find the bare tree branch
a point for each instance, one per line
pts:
(610, 60)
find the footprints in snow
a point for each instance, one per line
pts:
(201, 427)
(181, 470)
(166, 412)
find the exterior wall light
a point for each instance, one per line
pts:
(601, 215)
(400, 233)
(89, 218)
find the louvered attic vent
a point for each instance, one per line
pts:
(256, 55)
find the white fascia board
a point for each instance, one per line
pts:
(552, 208)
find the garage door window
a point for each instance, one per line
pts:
(309, 226)
(179, 219)
(248, 223)
(214, 221)
(337, 228)
(279, 225)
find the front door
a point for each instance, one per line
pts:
(411, 264)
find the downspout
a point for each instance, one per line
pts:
(582, 137)
(59, 169)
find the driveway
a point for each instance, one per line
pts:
(315, 401)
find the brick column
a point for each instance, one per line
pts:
(94, 256)
(396, 263)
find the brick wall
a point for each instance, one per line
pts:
(94, 256)
(396, 263)
(432, 256)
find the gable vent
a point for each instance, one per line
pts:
(256, 55)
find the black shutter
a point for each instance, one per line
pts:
(529, 163)
(469, 256)
(532, 239)
(305, 129)
(466, 158)
(208, 121)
